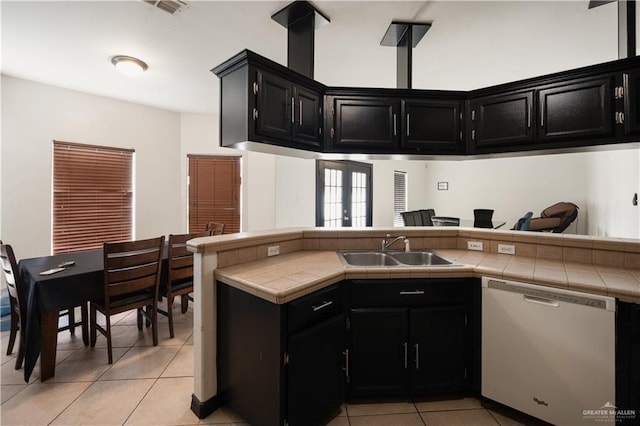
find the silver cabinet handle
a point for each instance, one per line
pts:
(407, 124)
(395, 127)
(324, 305)
(542, 113)
(293, 107)
(255, 113)
(413, 292)
(529, 116)
(417, 346)
(405, 354)
(346, 361)
(300, 113)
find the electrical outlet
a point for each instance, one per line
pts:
(273, 251)
(506, 249)
(475, 245)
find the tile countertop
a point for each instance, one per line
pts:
(283, 278)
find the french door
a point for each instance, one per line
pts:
(343, 194)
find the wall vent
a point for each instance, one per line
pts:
(169, 6)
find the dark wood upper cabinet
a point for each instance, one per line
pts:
(308, 120)
(631, 95)
(365, 124)
(264, 105)
(274, 97)
(432, 126)
(500, 120)
(287, 111)
(576, 110)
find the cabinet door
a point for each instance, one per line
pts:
(431, 125)
(631, 81)
(378, 353)
(316, 373)
(438, 349)
(274, 100)
(579, 110)
(502, 120)
(369, 125)
(306, 129)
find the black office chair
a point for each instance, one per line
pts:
(445, 221)
(427, 214)
(482, 218)
(412, 218)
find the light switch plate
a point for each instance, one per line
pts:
(506, 249)
(475, 245)
(273, 251)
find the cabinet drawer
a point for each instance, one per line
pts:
(408, 292)
(315, 307)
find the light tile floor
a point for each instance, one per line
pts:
(149, 385)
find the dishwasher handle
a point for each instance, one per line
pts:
(541, 301)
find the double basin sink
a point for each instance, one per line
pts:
(393, 258)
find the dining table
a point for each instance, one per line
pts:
(48, 294)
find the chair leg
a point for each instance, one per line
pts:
(184, 303)
(139, 318)
(154, 322)
(85, 324)
(170, 315)
(108, 336)
(20, 357)
(15, 319)
(92, 322)
(71, 316)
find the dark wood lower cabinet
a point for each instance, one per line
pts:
(439, 338)
(411, 337)
(628, 362)
(270, 376)
(377, 352)
(315, 374)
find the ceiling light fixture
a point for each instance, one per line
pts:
(128, 65)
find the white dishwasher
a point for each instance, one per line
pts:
(549, 352)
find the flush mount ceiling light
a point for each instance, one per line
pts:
(128, 65)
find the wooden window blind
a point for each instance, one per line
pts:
(399, 196)
(214, 192)
(92, 196)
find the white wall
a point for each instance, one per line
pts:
(33, 115)
(613, 177)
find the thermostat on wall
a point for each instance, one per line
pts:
(443, 186)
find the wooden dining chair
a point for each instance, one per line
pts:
(215, 228)
(131, 278)
(179, 275)
(17, 303)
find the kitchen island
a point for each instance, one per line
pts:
(307, 262)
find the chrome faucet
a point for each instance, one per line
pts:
(386, 243)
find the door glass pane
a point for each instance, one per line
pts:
(358, 199)
(332, 198)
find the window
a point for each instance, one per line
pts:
(214, 192)
(343, 194)
(92, 196)
(399, 197)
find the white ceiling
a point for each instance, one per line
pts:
(470, 45)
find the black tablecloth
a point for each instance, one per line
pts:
(67, 289)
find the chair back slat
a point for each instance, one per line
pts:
(182, 274)
(182, 262)
(132, 266)
(10, 270)
(133, 259)
(121, 276)
(132, 286)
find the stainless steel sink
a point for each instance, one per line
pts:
(368, 258)
(423, 258)
(391, 258)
